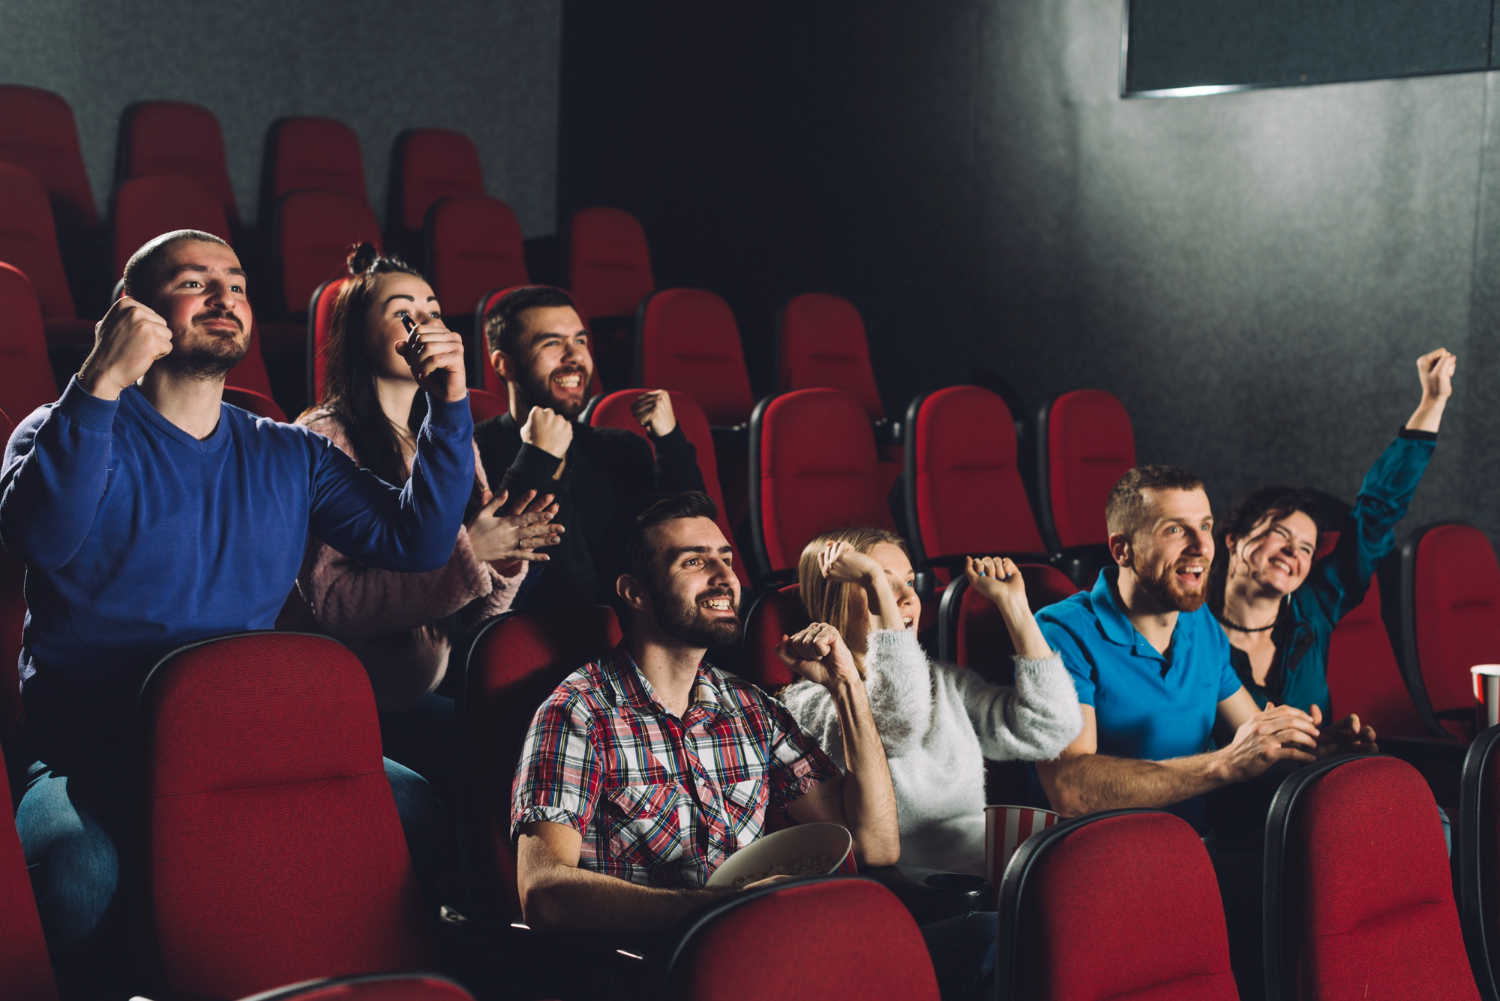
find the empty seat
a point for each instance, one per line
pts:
(1357, 886)
(26, 379)
(271, 849)
(1450, 616)
(613, 411)
(964, 493)
(607, 264)
(1364, 676)
(1086, 445)
(473, 245)
(259, 404)
(821, 344)
(28, 240)
(175, 138)
(1122, 904)
(813, 468)
(688, 340)
(25, 969)
(830, 939)
(1476, 843)
(314, 232)
(309, 151)
(776, 613)
(429, 165)
(516, 660)
(143, 208)
(37, 132)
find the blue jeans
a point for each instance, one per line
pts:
(963, 955)
(76, 817)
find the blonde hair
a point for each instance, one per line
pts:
(825, 600)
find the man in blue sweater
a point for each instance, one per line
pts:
(150, 514)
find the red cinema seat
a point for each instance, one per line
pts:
(1121, 904)
(12, 621)
(473, 245)
(613, 411)
(687, 340)
(319, 322)
(259, 404)
(371, 987)
(1364, 676)
(776, 613)
(835, 939)
(38, 133)
(143, 208)
(607, 264)
(271, 851)
(964, 492)
(485, 405)
(971, 631)
(429, 165)
(482, 374)
(821, 344)
(309, 151)
(25, 969)
(813, 468)
(1357, 885)
(26, 379)
(28, 240)
(250, 374)
(178, 139)
(1085, 444)
(516, 660)
(1476, 842)
(1450, 617)
(314, 232)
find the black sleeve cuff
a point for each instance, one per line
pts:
(533, 467)
(673, 440)
(1417, 435)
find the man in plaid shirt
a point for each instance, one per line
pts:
(644, 770)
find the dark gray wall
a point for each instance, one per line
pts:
(487, 67)
(1253, 274)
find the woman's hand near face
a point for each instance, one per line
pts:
(436, 357)
(508, 536)
(841, 563)
(819, 654)
(1435, 371)
(999, 579)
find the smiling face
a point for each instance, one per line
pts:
(899, 574)
(1277, 553)
(553, 363)
(396, 294)
(1171, 552)
(694, 594)
(202, 297)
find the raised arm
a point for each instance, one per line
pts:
(1435, 371)
(676, 469)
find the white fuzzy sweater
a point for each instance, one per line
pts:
(938, 724)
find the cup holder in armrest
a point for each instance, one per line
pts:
(934, 894)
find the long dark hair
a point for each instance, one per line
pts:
(349, 390)
(1273, 503)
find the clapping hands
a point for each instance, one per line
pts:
(507, 536)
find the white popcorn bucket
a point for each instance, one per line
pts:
(1005, 827)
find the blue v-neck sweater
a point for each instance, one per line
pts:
(138, 538)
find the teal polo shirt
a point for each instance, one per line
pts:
(1147, 705)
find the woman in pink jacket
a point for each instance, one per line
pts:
(403, 626)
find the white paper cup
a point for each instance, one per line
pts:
(1486, 695)
(790, 850)
(1005, 827)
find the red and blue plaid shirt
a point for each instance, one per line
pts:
(659, 800)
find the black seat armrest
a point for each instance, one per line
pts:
(934, 894)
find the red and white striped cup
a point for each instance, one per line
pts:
(1486, 695)
(1005, 827)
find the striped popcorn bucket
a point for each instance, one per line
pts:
(1005, 827)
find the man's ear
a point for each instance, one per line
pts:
(1120, 549)
(632, 591)
(504, 365)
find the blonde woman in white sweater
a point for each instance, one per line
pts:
(938, 723)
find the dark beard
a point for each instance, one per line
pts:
(685, 622)
(1158, 588)
(209, 357)
(539, 394)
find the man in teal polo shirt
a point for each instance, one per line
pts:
(1152, 668)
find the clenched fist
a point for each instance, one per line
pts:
(127, 343)
(436, 357)
(548, 430)
(653, 410)
(819, 654)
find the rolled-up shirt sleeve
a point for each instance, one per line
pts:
(559, 776)
(798, 764)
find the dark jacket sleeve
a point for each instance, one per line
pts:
(676, 463)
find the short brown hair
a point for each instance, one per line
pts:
(1127, 513)
(829, 602)
(143, 272)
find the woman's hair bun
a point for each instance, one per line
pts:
(362, 257)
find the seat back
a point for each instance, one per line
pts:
(371, 987)
(25, 969)
(813, 468)
(143, 208)
(314, 232)
(258, 404)
(28, 240)
(37, 132)
(1450, 616)
(776, 613)
(1476, 842)
(606, 263)
(272, 851)
(319, 322)
(1086, 445)
(1121, 904)
(175, 138)
(430, 165)
(964, 492)
(485, 405)
(26, 379)
(308, 151)
(250, 371)
(473, 245)
(1357, 882)
(971, 630)
(821, 344)
(515, 662)
(835, 939)
(613, 411)
(12, 621)
(688, 340)
(1364, 676)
